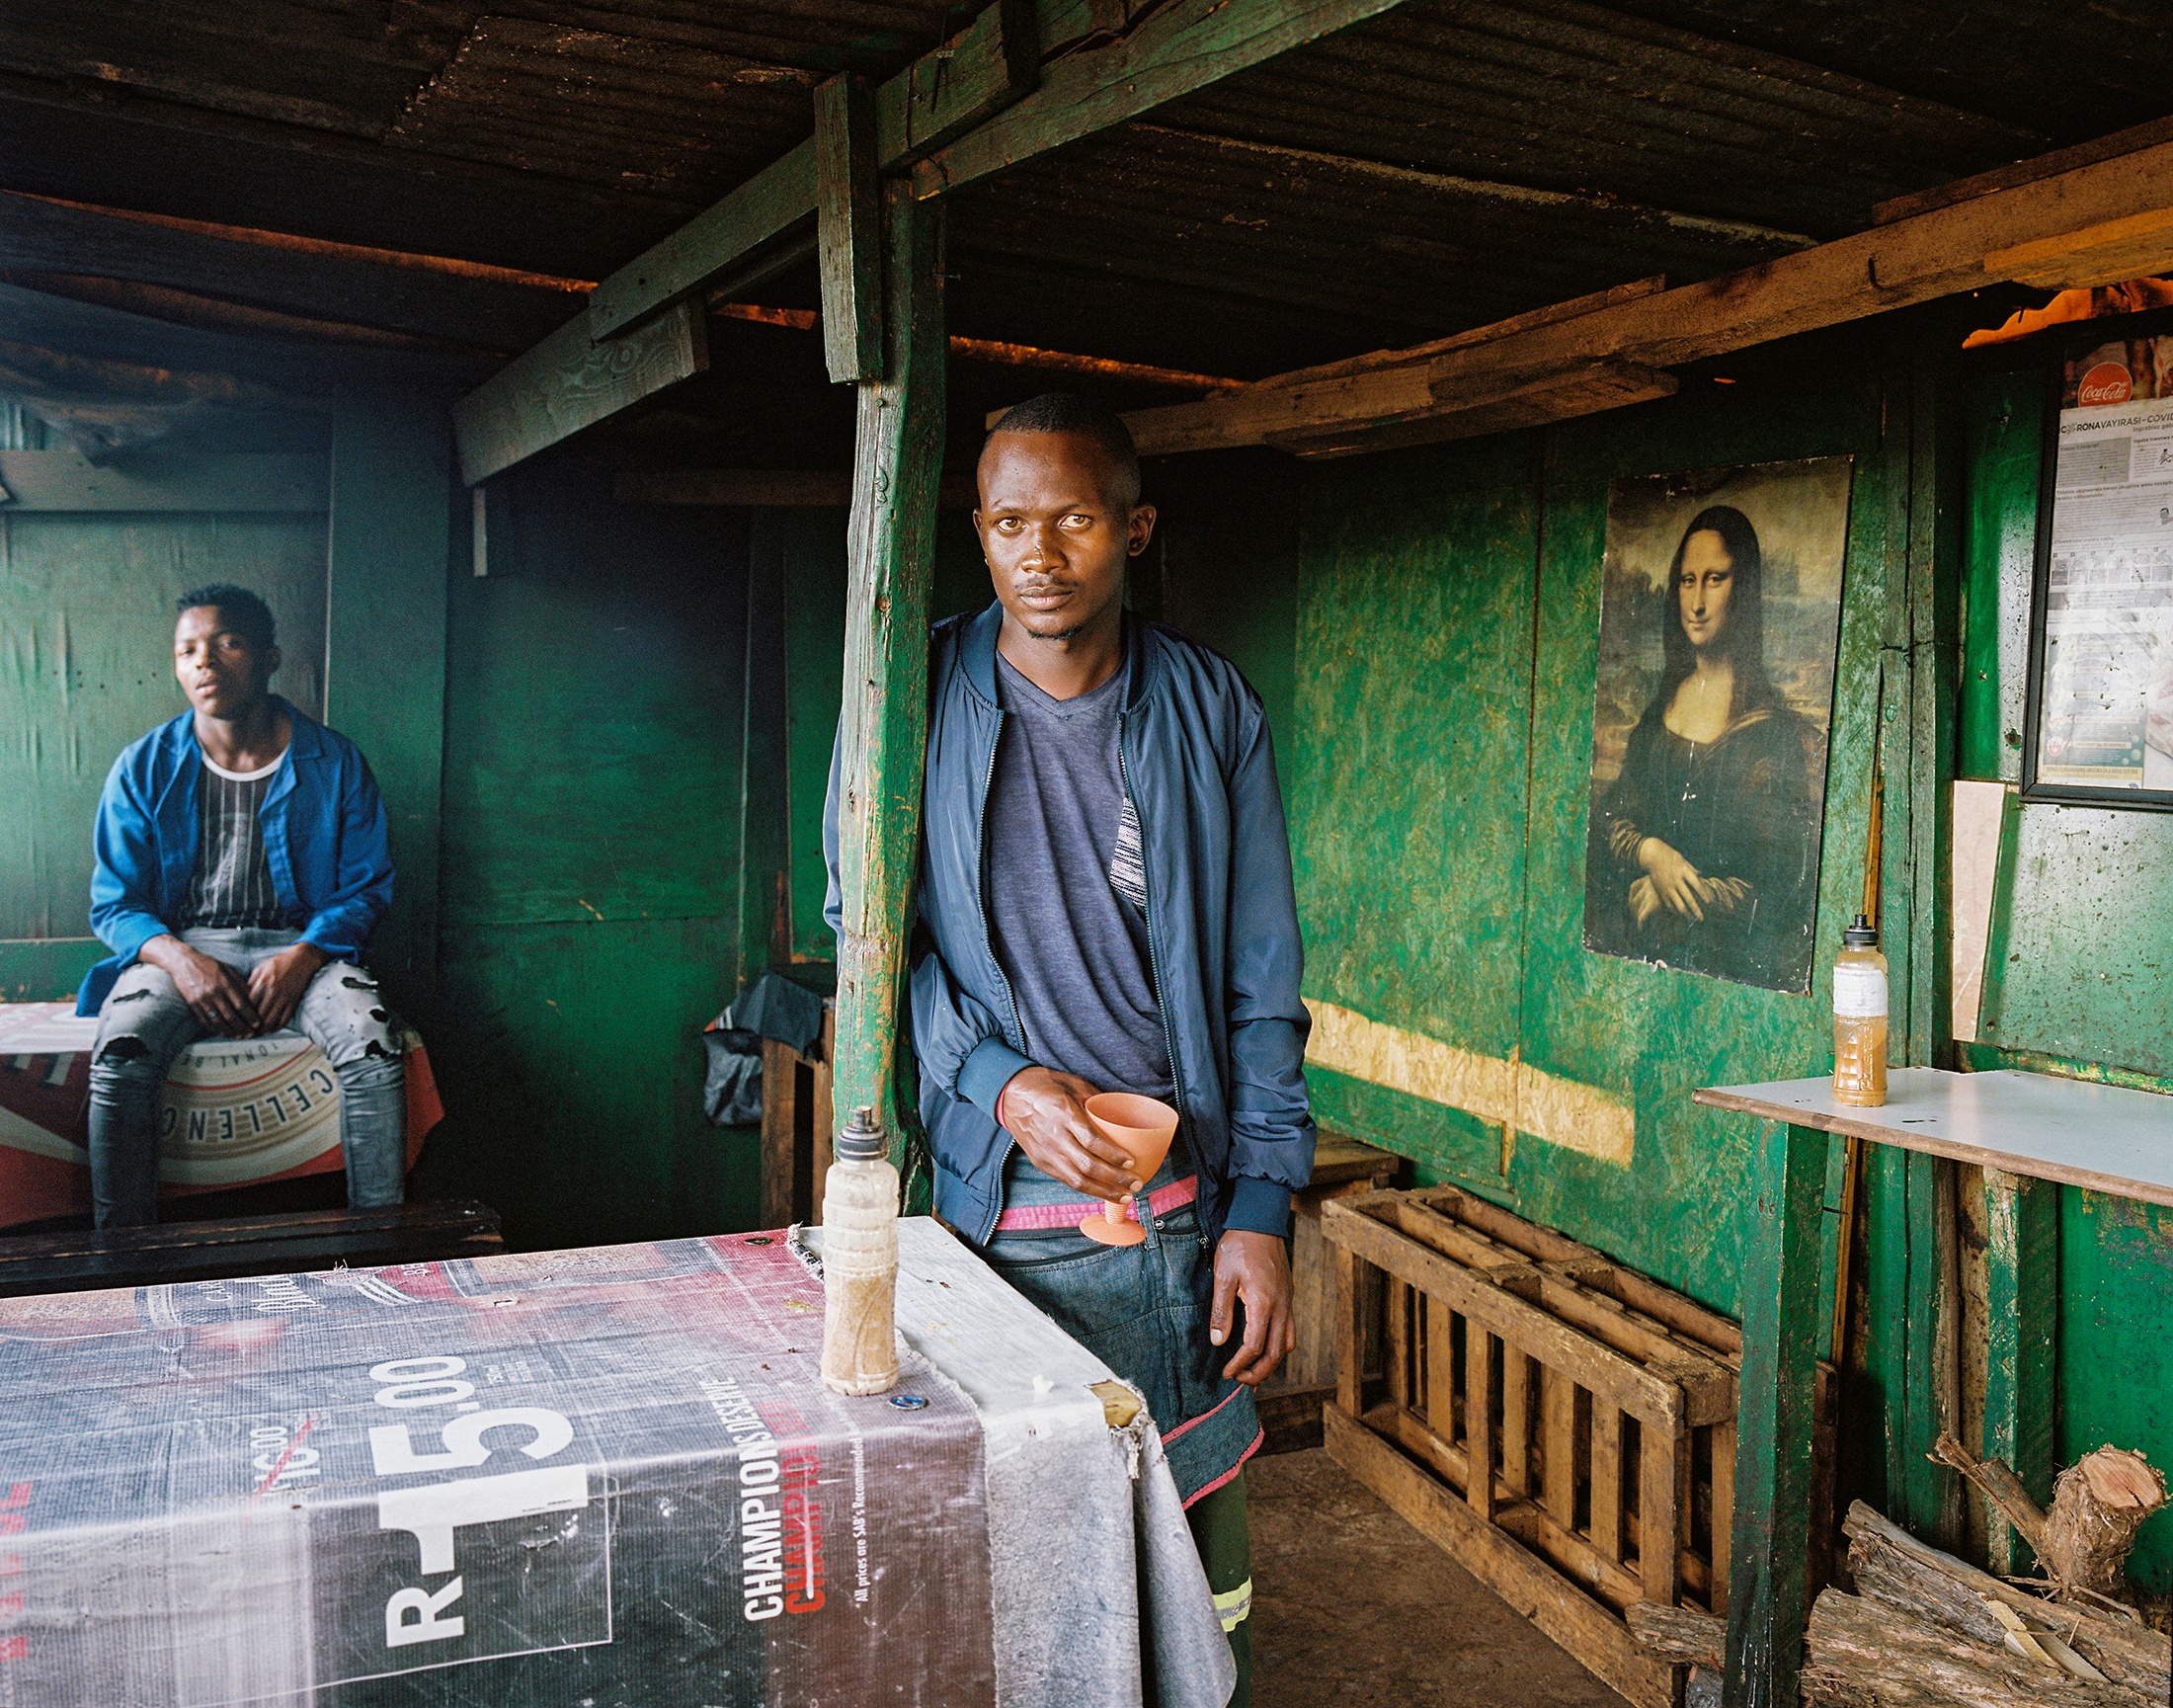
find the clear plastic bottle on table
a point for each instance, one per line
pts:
(861, 1262)
(1860, 1018)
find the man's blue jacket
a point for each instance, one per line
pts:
(1222, 925)
(324, 835)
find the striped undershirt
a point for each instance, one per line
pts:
(232, 886)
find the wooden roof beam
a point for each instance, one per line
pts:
(983, 101)
(2091, 224)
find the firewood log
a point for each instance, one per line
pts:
(2098, 1505)
(1865, 1654)
(1913, 1578)
(1686, 1636)
(2099, 1502)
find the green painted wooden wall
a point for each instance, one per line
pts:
(590, 883)
(2081, 965)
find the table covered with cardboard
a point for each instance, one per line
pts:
(605, 1477)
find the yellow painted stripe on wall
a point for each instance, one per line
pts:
(1566, 1113)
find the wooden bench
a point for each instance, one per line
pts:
(77, 1263)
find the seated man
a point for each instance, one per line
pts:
(1107, 905)
(241, 864)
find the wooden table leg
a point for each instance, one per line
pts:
(1771, 1542)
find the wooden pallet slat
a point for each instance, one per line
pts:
(1479, 1419)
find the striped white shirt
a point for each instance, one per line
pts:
(232, 886)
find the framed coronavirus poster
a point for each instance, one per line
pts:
(2099, 717)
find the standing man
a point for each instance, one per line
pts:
(241, 863)
(1107, 905)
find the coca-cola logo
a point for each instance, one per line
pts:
(2108, 382)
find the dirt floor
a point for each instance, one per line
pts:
(1354, 1608)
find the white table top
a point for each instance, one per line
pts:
(2106, 1138)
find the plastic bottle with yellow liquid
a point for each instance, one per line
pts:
(1860, 1018)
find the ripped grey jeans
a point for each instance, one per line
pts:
(144, 1025)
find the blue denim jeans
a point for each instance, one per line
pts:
(1142, 1310)
(145, 1025)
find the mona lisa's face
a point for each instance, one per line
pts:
(1707, 579)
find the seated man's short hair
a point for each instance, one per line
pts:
(1068, 412)
(245, 614)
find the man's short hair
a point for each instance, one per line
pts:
(1068, 412)
(245, 614)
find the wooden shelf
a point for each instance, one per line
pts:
(2106, 1138)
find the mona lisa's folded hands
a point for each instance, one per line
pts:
(1677, 883)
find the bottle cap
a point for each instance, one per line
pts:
(1863, 934)
(860, 1140)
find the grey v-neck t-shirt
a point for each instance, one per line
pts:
(1066, 888)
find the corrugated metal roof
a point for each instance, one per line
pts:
(1445, 164)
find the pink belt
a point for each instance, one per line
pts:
(1174, 1196)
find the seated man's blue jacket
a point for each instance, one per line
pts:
(1222, 926)
(324, 836)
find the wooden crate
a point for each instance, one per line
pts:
(1541, 1412)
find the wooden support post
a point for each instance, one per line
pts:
(890, 540)
(1771, 1545)
(2021, 1297)
(848, 222)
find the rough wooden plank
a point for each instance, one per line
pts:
(1479, 1419)
(570, 382)
(1556, 1345)
(848, 229)
(2146, 136)
(1537, 1592)
(1516, 1419)
(1723, 1514)
(1663, 1476)
(1349, 1345)
(890, 554)
(1441, 1369)
(779, 1105)
(1179, 49)
(1466, 410)
(2021, 1314)
(1557, 1461)
(1401, 1353)
(1376, 360)
(65, 480)
(779, 198)
(1606, 1524)
(2109, 218)
(1772, 1518)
